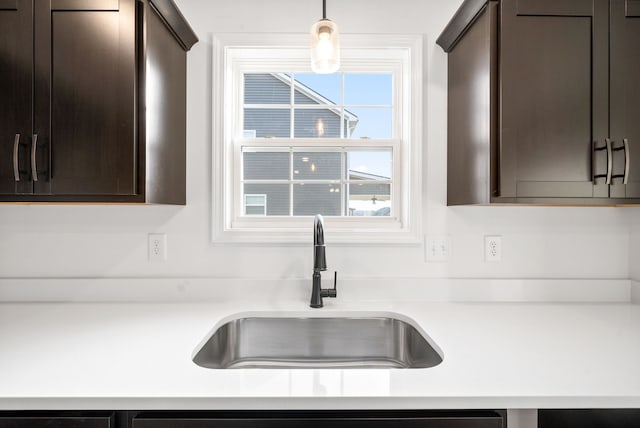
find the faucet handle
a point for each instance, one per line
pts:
(331, 292)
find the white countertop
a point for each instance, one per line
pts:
(496, 355)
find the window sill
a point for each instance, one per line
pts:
(299, 236)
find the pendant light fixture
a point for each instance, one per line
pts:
(325, 44)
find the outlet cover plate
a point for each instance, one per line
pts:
(492, 248)
(437, 248)
(157, 245)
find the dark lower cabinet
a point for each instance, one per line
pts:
(57, 420)
(315, 419)
(258, 419)
(588, 418)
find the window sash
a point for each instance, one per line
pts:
(338, 107)
(384, 63)
(292, 145)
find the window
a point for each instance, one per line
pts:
(345, 145)
(255, 204)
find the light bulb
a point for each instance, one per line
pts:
(325, 47)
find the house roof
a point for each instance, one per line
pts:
(352, 119)
(360, 175)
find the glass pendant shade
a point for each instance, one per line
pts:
(325, 47)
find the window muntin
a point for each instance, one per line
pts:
(302, 107)
(302, 181)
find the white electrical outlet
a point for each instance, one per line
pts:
(157, 247)
(492, 248)
(436, 249)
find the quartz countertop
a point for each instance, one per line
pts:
(496, 355)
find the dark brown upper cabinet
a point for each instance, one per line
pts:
(544, 102)
(93, 96)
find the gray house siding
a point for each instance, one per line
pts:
(373, 189)
(268, 123)
(265, 89)
(276, 122)
(277, 196)
(266, 166)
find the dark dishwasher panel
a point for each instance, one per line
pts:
(316, 419)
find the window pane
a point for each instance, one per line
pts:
(267, 122)
(316, 123)
(317, 88)
(254, 210)
(370, 164)
(368, 89)
(317, 165)
(277, 196)
(369, 122)
(369, 199)
(267, 88)
(369, 188)
(312, 199)
(255, 200)
(265, 165)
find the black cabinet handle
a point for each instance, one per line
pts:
(34, 148)
(606, 147)
(627, 161)
(609, 160)
(16, 144)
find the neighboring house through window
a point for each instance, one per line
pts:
(345, 145)
(333, 187)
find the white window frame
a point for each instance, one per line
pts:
(234, 54)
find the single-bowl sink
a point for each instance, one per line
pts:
(318, 342)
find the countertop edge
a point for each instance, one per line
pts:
(214, 289)
(316, 403)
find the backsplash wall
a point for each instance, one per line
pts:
(111, 241)
(634, 246)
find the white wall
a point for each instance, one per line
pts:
(110, 241)
(634, 245)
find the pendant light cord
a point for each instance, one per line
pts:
(324, 9)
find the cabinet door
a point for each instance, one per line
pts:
(554, 97)
(85, 86)
(323, 423)
(16, 75)
(449, 421)
(625, 95)
(588, 418)
(55, 422)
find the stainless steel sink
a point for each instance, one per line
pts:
(317, 342)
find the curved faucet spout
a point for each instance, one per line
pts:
(318, 230)
(319, 257)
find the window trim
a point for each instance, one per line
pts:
(340, 230)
